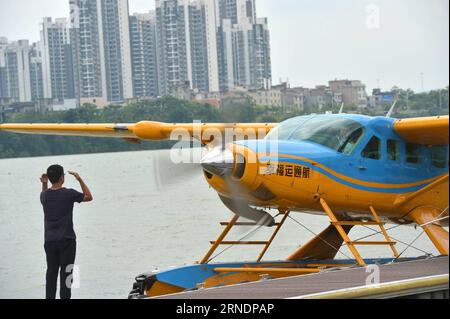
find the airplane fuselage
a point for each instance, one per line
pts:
(378, 169)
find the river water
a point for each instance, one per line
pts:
(140, 220)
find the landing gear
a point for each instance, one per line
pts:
(234, 222)
(339, 225)
(313, 257)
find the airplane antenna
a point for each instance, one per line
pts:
(342, 108)
(389, 114)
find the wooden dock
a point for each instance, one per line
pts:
(333, 280)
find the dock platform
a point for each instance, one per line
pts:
(402, 279)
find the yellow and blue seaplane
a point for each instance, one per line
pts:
(357, 170)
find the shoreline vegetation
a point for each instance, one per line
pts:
(172, 110)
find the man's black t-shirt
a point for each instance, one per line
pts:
(58, 212)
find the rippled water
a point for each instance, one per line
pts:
(134, 225)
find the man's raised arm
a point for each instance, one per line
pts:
(87, 193)
(44, 181)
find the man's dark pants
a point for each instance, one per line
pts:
(60, 258)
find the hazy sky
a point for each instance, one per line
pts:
(314, 41)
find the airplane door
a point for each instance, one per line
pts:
(368, 165)
(393, 165)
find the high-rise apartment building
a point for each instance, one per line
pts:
(102, 55)
(262, 64)
(173, 39)
(57, 59)
(198, 46)
(15, 70)
(87, 36)
(3, 44)
(36, 72)
(212, 44)
(243, 46)
(117, 52)
(143, 54)
(102, 46)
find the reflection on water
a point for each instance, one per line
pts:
(134, 225)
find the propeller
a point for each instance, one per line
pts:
(187, 163)
(174, 165)
(221, 162)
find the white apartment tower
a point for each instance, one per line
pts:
(143, 54)
(15, 70)
(36, 72)
(87, 40)
(209, 30)
(187, 45)
(172, 37)
(116, 37)
(57, 61)
(101, 44)
(243, 46)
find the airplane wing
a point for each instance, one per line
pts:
(145, 130)
(424, 130)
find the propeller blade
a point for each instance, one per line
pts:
(168, 171)
(243, 209)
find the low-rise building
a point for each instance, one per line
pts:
(352, 92)
(283, 96)
(237, 96)
(270, 97)
(295, 99)
(380, 98)
(320, 96)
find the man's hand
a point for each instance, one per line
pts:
(76, 175)
(44, 179)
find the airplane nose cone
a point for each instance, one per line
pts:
(219, 162)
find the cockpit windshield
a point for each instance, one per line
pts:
(284, 130)
(339, 134)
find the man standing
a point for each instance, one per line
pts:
(60, 239)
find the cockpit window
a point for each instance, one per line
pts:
(341, 135)
(284, 130)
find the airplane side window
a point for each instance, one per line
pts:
(372, 149)
(439, 156)
(413, 154)
(393, 150)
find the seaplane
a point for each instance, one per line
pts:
(356, 170)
